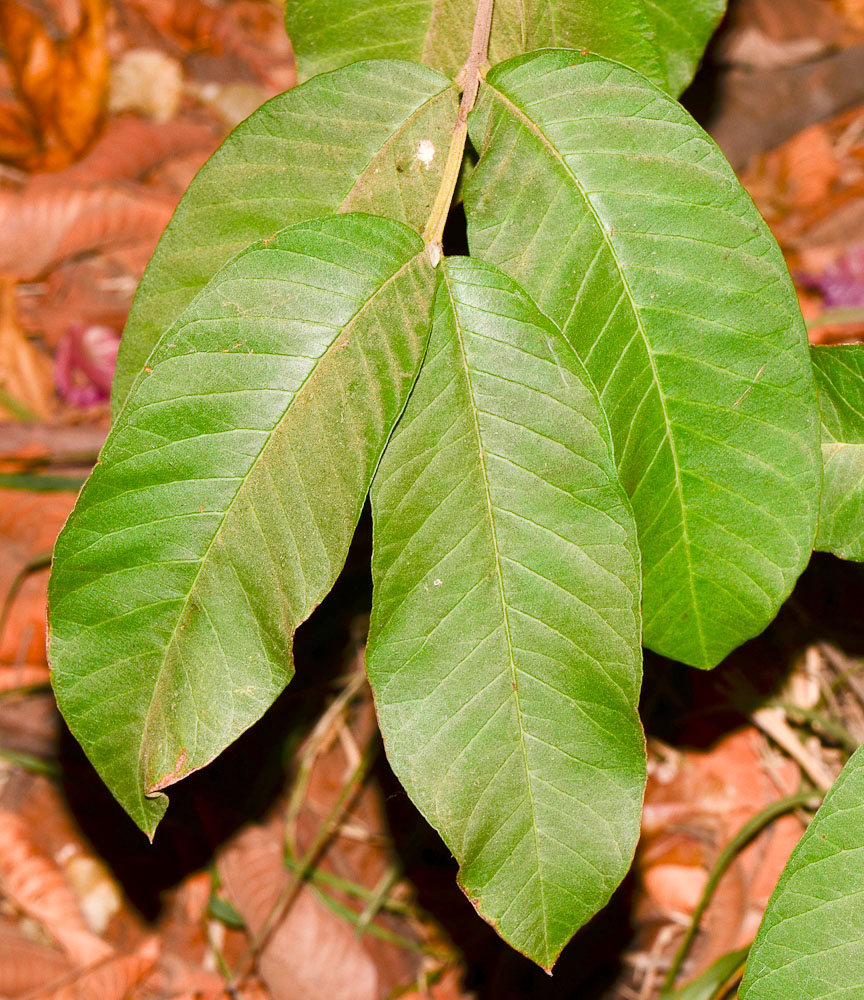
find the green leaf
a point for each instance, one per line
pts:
(713, 984)
(226, 496)
(504, 646)
(369, 138)
(619, 215)
(810, 945)
(223, 910)
(839, 375)
(664, 39)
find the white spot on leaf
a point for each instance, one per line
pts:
(426, 153)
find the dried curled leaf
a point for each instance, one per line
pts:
(335, 964)
(27, 965)
(34, 884)
(114, 979)
(43, 226)
(62, 87)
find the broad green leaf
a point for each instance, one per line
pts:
(226, 495)
(839, 375)
(811, 942)
(369, 138)
(619, 215)
(504, 645)
(664, 39)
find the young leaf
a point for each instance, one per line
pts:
(664, 40)
(810, 945)
(226, 496)
(622, 218)
(839, 375)
(371, 138)
(504, 644)
(713, 984)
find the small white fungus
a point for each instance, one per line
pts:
(426, 152)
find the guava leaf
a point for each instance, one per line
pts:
(225, 498)
(664, 39)
(619, 215)
(504, 647)
(810, 945)
(839, 375)
(370, 138)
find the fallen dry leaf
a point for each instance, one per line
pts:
(853, 11)
(312, 953)
(21, 676)
(810, 166)
(25, 380)
(251, 31)
(27, 965)
(97, 892)
(113, 979)
(44, 226)
(35, 885)
(130, 148)
(62, 86)
(360, 850)
(695, 803)
(29, 525)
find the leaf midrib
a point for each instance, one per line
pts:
(175, 633)
(534, 128)
(504, 608)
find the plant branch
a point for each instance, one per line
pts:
(303, 870)
(469, 77)
(742, 838)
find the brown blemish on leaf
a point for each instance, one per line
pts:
(170, 777)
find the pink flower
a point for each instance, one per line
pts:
(84, 364)
(842, 284)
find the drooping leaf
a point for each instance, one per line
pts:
(622, 219)
(504, 644)
(664, 40)
(839, 375)
(370, 138)
(226, 497)
(810, 945)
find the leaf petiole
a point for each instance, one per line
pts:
(469, 77)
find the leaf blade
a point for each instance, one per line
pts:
(839, 373)
(227, 495)
(349, 141)
(713, 983)
(500, 529)
(809, 945)
(611, 219)
(664, 41)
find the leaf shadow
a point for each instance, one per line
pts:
(693, 709)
